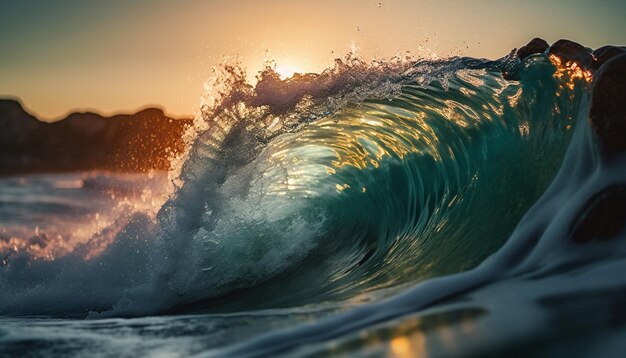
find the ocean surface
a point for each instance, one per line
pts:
(390, 209)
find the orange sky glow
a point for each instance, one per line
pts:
(119, 56)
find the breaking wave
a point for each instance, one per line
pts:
(352, 184)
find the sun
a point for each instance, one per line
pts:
(286, 72)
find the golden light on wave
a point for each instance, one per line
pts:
(408, 347)
(286, 72)
(571, 70)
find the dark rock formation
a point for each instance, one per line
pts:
(608, 107)
(535, 46)
(85, 141)
(511, 63)
(570, 51)
(603, 218)
(605, 53)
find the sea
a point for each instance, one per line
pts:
(408, 208)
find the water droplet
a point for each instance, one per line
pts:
(358, 28)
(379, 4)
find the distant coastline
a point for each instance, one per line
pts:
(87, 141)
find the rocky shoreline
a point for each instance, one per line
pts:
(607, 67)
(87, 141)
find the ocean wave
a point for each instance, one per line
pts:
(323, 187)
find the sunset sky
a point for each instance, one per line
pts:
(121, 55)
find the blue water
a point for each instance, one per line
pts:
(417, 208)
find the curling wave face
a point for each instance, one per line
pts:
(374, 195)
(346, 186)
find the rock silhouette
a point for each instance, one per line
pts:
(86, 141)
(535, 46)
(608, 106)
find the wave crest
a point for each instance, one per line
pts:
(328, 186)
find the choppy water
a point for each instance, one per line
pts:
(403, 209)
